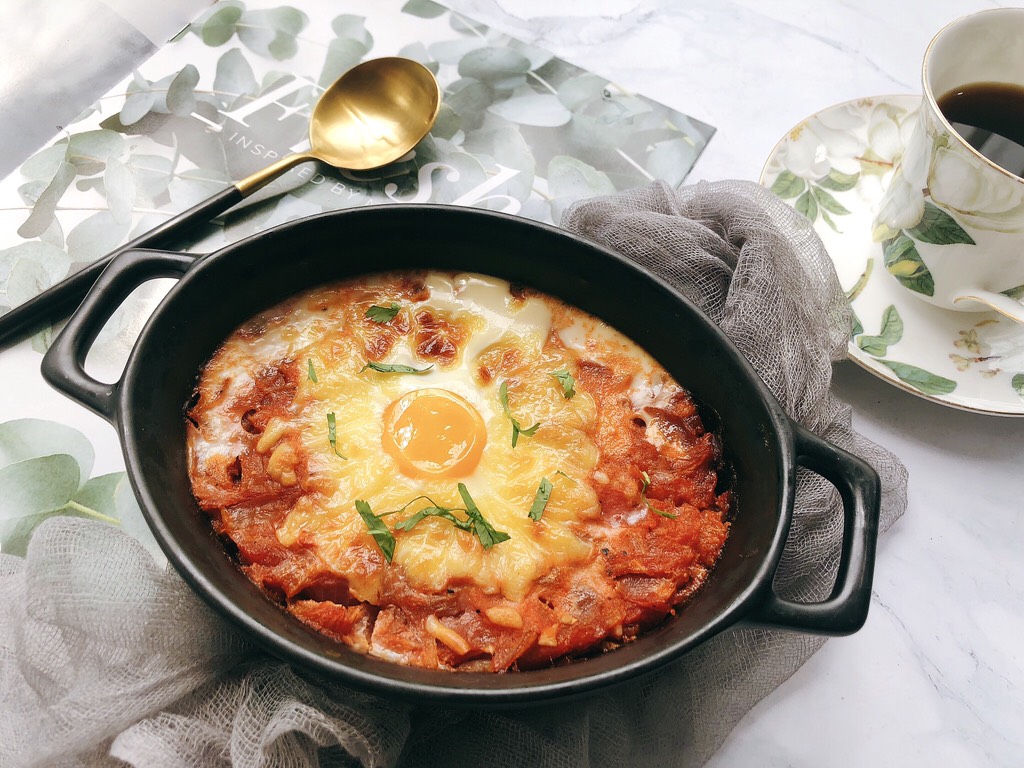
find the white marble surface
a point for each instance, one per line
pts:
(935, 677)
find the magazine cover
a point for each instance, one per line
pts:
(519, 131)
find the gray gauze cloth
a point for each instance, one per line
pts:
(105, 656)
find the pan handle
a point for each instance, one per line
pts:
(846, 608)
(63, 365)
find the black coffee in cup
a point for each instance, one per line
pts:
(990, 117)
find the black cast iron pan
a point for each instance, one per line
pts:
(220, 291)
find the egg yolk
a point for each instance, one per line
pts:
(433, 433)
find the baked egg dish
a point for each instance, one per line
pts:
(448, 471)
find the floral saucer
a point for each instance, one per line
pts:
(833, 168)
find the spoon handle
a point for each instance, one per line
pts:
(59, 301)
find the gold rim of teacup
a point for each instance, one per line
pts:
(930, 96)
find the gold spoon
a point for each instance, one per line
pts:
(370, 116)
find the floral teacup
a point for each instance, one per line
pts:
(952, 221)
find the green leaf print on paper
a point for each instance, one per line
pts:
(938, 228)
(425, 9)
(891, 333)
(905, 264)
(1017, 382)
(519, 131)
(920, 379)
(219, 26)
(352, 42)
(44, 471)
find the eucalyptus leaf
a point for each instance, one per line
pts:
(152, 174)
(469, 96)
(342, 55)
(30, 191)
(507, 143)
(159, 91)
(30, 491)
(27, 280)
(271, 33)
(418, 52)
(506, 86)
(119, 187)
(466, 26)
(99, 234)
(53, 260)
(22, 439)
(132, 521)
(220, 26)
(493, 63)
(90, 150)
(671, 160)
(46, 206)
(136, 106)
(181, 97)
(352, 27)
(54, 235)
(447, 123)
(44, 164)
(542, 110)
(573, 179)
(452, 51)
(538, 57)
(424, 9)
(98, 494)
(186, 192)
(235, 75)
(578, 90)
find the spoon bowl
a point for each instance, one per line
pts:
(369, 117)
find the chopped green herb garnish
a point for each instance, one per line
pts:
(646, 483)
(332, 434)
(312, 372)
(380, 314)
(393, 368)
(517, 428)
(567, 381)
(435, 511)
(541, 499)
(560, 472)
(484, 531)
(378, 530)
(475, 524)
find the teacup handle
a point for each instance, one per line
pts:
(1001, 303)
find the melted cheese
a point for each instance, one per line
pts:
(467, 335)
